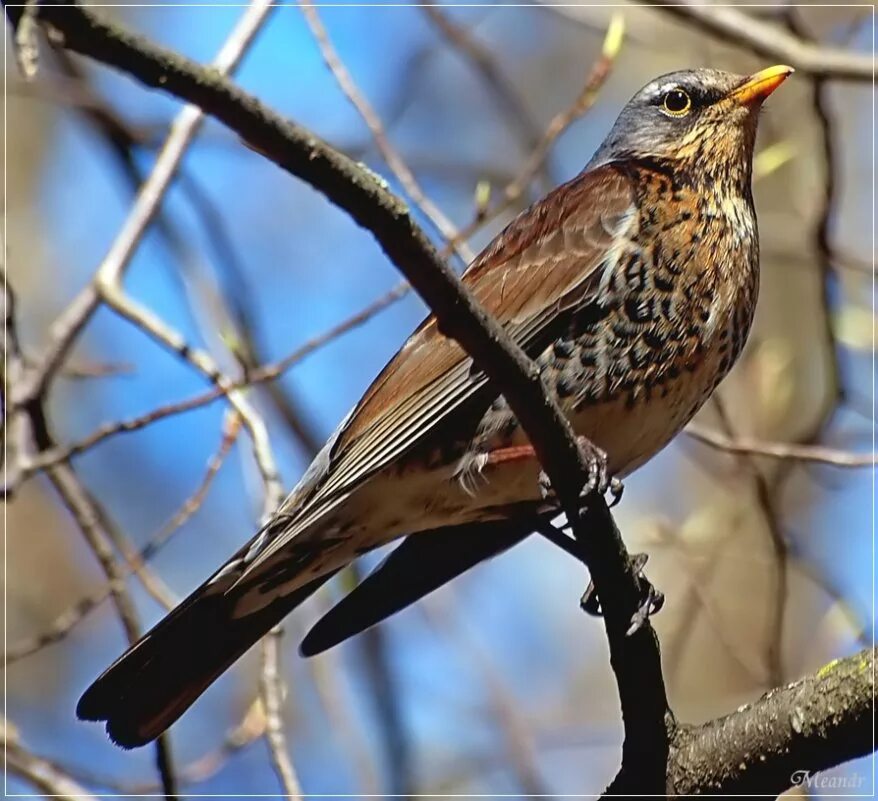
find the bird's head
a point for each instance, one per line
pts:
(704, 116)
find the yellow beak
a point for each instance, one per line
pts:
(760, 84)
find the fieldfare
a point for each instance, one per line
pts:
(632, 287)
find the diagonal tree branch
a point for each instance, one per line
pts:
(784, 737)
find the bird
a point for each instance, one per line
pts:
(632, 287)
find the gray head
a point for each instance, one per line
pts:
(692, 114)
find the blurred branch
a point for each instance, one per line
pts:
(324, 670)
(822, 236)
(243, 734)
(767, 39)
(385, 697)
(32, 433)
(42, 774)
(89, 517)
(67, 620)
(271, 692)
(123, 141)
(388, 152)
(258, 375)
(486, 66)
(66, 329)
(784, 737)
(696, 600)
(768, 505)
(238, 319)
(502, 705)
(594, 82)
(813, 454)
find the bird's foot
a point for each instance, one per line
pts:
(599, 479)
(651, 600)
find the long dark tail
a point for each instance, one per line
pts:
(156, 680)
(421, 564)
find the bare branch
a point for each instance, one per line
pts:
(789, 733)
(40, 773)
(594, 82)
(91, 521)
(772, 41)
(256, 376)
(812, 454)
(271, 692)
(67, 620)
(388, 152)
(486, 66)
(68, 326)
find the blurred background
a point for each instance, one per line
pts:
(497, 683)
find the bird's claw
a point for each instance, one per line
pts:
(652, 600)
(616, 490)
(599, 479)
(545, 485)
(595, 458)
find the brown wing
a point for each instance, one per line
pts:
(539, 265)
(528, 272)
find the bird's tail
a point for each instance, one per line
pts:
(160, 676)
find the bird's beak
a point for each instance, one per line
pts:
(760, 85)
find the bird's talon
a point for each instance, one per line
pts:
(546, 491)
(616, 490)
(599, 478)
(652, 603)
(589, 602)
(652, 599)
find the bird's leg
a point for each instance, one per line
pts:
(651, 600)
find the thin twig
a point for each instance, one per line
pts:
(90, 518)
(42, 774)
(780, 547)
(812, 454)
(503, 707)
(486, 67)
(324, 670)
(373, 122)
(67, 327)
(256, 376)
(271, 692)
(67, 620)
(594, 82)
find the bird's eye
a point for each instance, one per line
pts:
(676, 103)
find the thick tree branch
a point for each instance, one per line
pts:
(784, 737)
